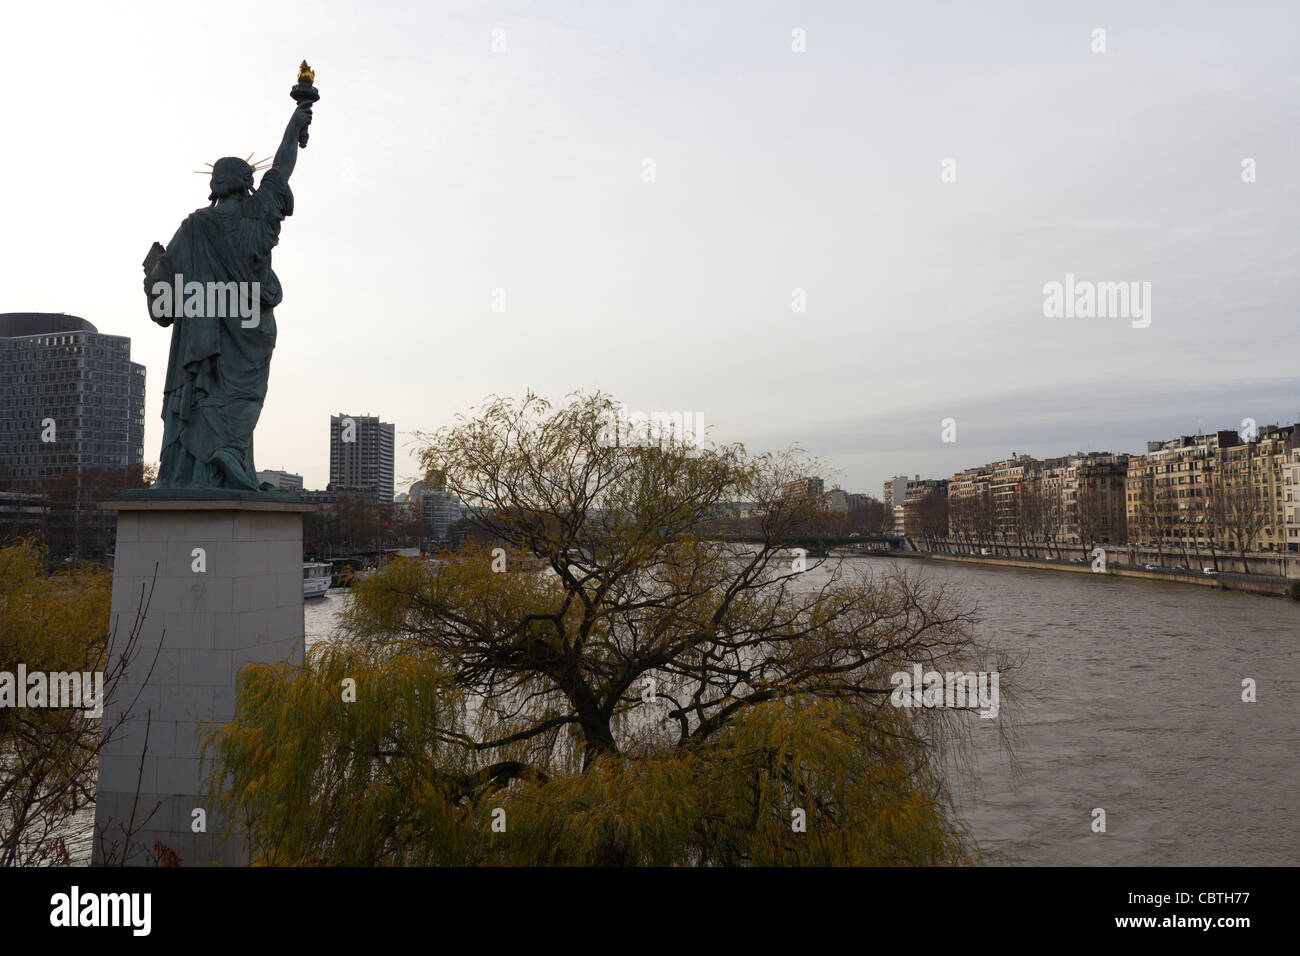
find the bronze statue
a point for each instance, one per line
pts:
(214, 287)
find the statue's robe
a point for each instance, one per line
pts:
(218, 370)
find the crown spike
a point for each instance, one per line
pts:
(257, 166)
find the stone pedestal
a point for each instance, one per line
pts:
(227, 592)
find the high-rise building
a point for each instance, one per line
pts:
(361, 456)
(69, 397)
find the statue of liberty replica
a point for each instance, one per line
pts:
(213, 286)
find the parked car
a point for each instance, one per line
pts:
(1181, 567)
(985, 552)
(1078, 561)
(1210, 571)
(1149, 567)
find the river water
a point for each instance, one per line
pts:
(1130, 701)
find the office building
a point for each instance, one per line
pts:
(70, 397)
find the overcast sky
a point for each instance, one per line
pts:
(440, 169)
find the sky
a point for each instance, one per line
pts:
(823, 224)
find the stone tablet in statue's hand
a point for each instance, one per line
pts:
(157, 269)
(154, 256)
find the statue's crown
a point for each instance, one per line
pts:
(257, 167)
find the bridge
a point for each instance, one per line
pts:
(814, 545)
(819, 545)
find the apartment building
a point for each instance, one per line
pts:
(895, 496)
(918, 490)
(803, 489)
(1006, 479)
(1291, 500)
(1253, 477)
(1067, 499)
(970, 503)
(361, 456)
(1099, 512)
(1167, 489)
(1214, 490)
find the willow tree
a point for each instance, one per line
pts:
(614, 681)
(55, 625)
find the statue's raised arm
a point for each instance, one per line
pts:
(287, 155)
(304, 94)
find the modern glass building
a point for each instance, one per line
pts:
(69, 396)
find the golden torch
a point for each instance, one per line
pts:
(303, 91)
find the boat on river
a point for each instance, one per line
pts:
(316, 579)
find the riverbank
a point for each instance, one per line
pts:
(1250, 583)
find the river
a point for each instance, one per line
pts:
(1130, 701)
